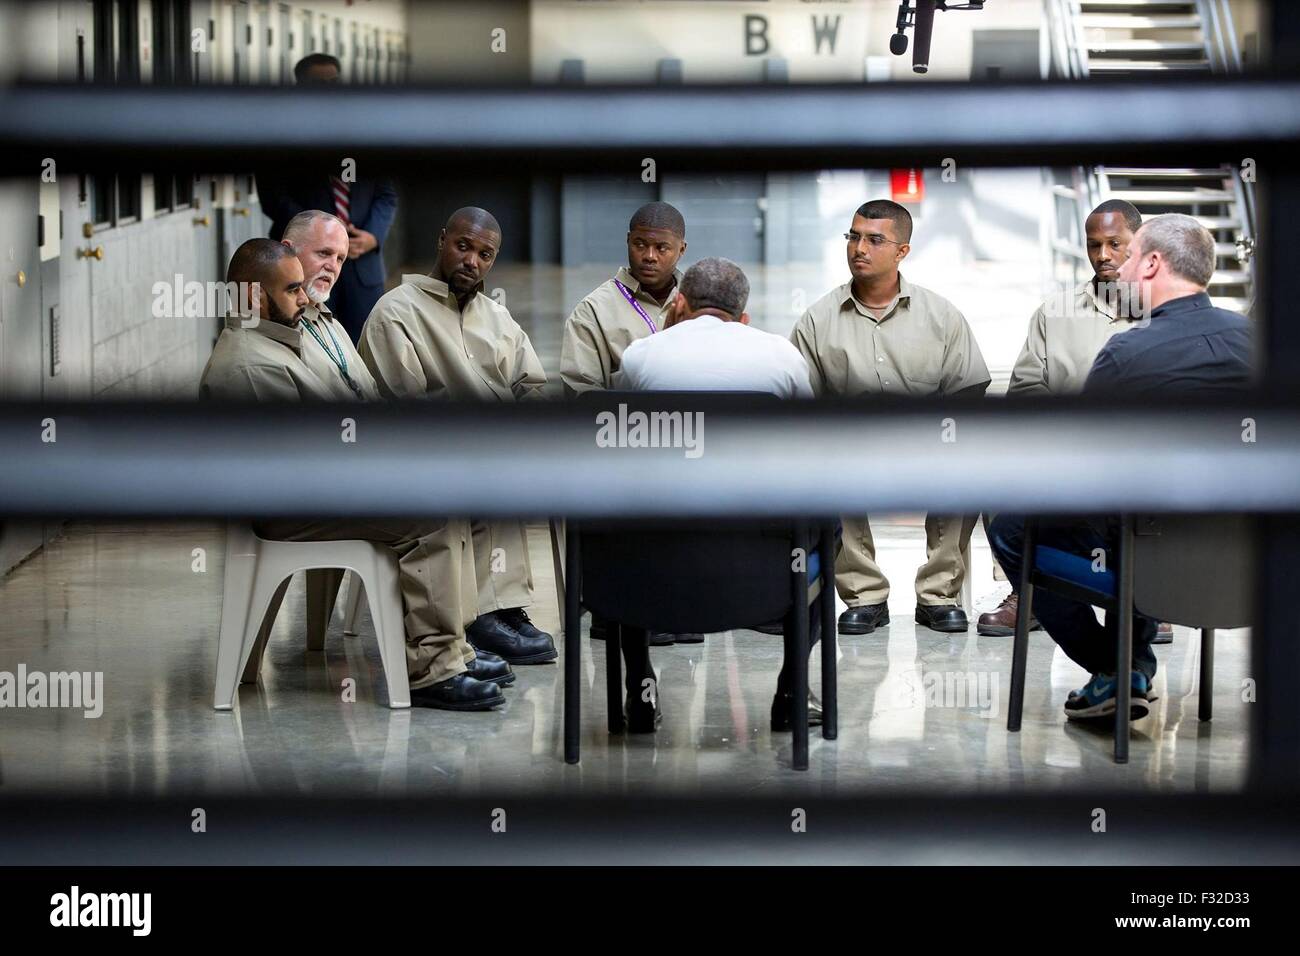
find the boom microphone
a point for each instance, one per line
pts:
(924, 29)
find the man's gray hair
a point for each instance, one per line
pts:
(1182, 242)
(304, 222)
(716, 284)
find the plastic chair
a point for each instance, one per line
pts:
(256, 577)
(1194, 570)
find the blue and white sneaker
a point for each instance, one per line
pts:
(1097, 698)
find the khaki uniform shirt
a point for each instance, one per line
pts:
(1065, 335)
(601, 327)
(417, 343)
(273, 362)
(921, 345)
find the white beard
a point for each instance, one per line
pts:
(315, 294)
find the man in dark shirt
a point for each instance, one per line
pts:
(1185, 347)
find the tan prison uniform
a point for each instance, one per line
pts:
(417, 344)
(601, 327)
(274, 362)
(1065, 335)
(920, 345)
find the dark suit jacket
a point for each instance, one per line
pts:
(373, 203)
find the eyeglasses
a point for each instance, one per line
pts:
(875, 240)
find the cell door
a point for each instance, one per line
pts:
(241, 44)
(288, 54)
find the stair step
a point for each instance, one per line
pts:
(1215, 223)
(1181, 5)
(1188, 47)
(1180, 197)
(1146, 21)
(1146, 66)
(1230, 303)
(1226, 250)
(1230, 277)
(1133, 172)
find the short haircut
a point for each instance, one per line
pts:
(658, 215)
(303, 223)
(885, 209)
(314, 59)
(474, 216)
(1182, 242)
(1132, 218)
(715, 284)
(253, 260)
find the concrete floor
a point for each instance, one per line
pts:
(125, 600)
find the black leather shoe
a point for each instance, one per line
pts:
(460, 692)
(518, 618)
(783, 712)
(949, 618)
(487, 666)
(776, 627)
(641, 717)
(666, 638)
(491, 633)
(864, 619)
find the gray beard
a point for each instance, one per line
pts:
(314, 295)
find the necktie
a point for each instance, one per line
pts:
(342, 194)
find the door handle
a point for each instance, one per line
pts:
(241, 212)
(204, 221)
(97, 253)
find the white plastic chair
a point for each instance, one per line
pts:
(257, 576)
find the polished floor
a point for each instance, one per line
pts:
(920, 711)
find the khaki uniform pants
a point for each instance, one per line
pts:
(858, 577)
(436, 572)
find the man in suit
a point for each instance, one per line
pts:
(366, 207)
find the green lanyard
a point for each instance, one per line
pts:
(340, 360)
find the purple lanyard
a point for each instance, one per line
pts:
(627, 294)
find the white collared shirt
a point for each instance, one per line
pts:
(708, 354)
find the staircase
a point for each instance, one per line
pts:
(1136, 39)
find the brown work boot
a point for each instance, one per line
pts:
(1002, 622)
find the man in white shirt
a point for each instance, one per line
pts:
(708, 344)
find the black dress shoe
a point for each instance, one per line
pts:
(949, 618)
(641, 717)
(490, 632)
(864, 619)
(661, 639)
(783, 712)
(688, 638)
(459, 692)
(518, 618)
(776, 627)
(487, 666)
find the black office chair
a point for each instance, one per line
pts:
(699, 577)
(1195, 570)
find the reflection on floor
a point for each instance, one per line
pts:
(127, 601)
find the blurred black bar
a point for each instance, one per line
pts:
(813, 459)
(1182, 120)
(1274, 654)
(898, 827)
